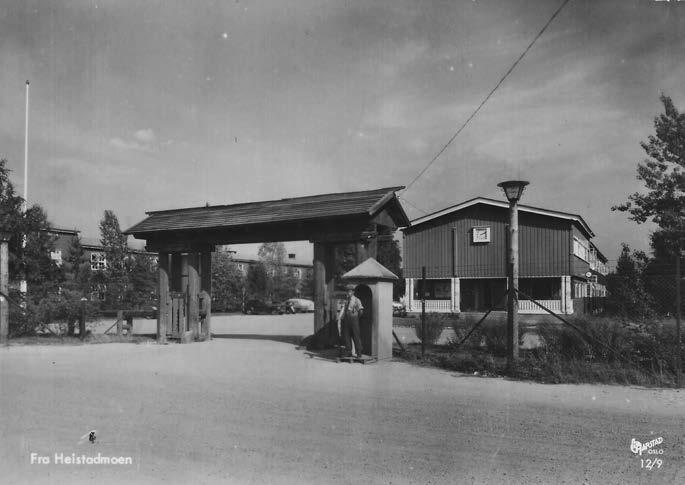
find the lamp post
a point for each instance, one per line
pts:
(513, 189)
(4, 288)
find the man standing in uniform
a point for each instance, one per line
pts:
(350, 314)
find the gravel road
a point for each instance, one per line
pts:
(249, 407)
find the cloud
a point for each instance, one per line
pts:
(143, 140)
(145, 136)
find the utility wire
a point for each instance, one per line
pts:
(412, 204)
(461, 128)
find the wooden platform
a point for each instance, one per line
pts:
(364, 359)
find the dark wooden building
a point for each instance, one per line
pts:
(464, 251)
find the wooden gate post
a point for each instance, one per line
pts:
(206, 290)
(319, 285)
(164, 313)
(194, 294)
(331, 309)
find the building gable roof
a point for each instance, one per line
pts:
(498, 203)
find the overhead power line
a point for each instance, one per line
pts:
(412, 204)
(513, 66)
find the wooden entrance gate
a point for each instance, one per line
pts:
(185, 239)
(179, 314)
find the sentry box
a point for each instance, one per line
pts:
(374, 288)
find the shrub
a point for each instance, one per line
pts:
(62, 308)
(461, 329)
(495, 338)
(434, 325)
(491, 335)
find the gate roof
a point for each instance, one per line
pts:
(303, 217)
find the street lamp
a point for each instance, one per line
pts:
(513, 190)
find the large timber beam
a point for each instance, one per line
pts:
(206, 292)
(164, 313)
(319, 285)
(194, 294)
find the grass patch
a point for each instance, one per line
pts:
(607, 352)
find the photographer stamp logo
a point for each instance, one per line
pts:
(637, 447)
(650, 447)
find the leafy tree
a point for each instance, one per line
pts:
(32, 261)
(663, 174)
(12, 221)
(280, 282)
(228, 283)
(47, 299)
(115, 246)
(389, 256)
(659, 273)
(141, 278)
(77, 268)
(42, 274)
(628, 296)
(256, 283)
(272, 254)
(307, 284)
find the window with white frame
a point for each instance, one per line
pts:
(98, 261)
(580, 249)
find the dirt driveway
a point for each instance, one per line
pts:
(249, 407)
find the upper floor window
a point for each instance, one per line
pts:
(580, 249)
(291, 255)
(98, 261)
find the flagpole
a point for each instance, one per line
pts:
(22, 283)
(26, 151)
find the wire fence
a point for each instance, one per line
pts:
(627, 319)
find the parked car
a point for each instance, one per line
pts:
(398, 309)
(298, 305)
(150, 311)
(258, 306)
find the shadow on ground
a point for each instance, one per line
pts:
(288, 339)
(331, 355)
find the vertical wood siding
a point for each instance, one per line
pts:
(445, 245)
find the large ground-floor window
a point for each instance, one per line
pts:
(435, 290)
(541, 288)
(478, 295)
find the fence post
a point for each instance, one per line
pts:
(4, 289)
(423, 310)
(82, 320)
(678, 354)
(120, 322)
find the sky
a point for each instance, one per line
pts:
(148, 105)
